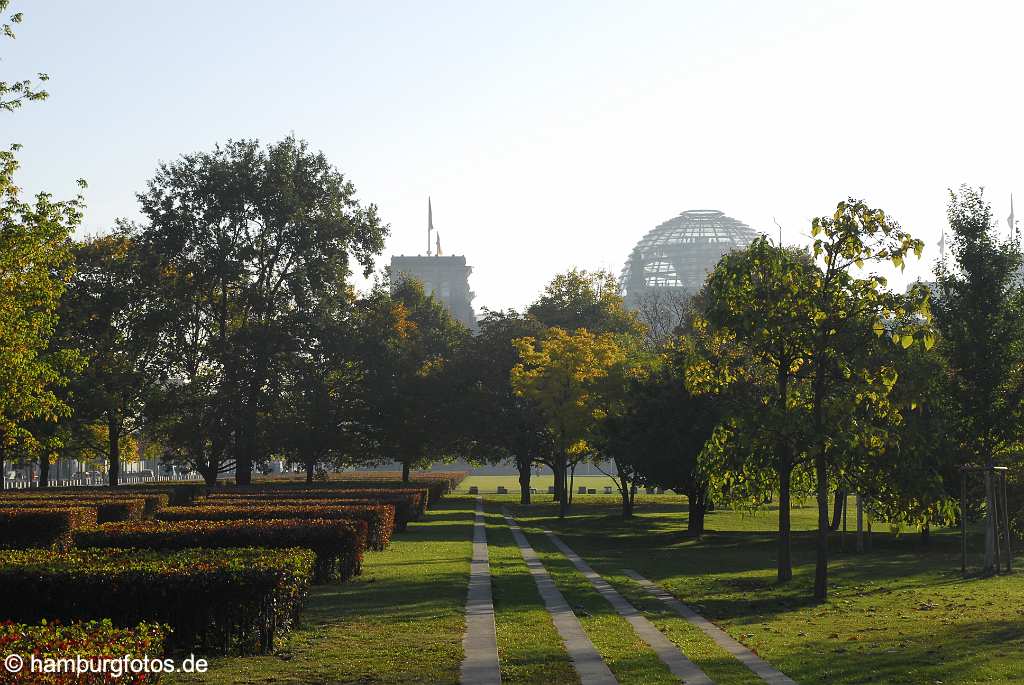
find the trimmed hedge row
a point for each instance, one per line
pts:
(380, 518)
(338, 544)
(90, 640)
(232, 601)
(152, 502)
(402, 508)
(410, 505)
(46, 527)
(107, 511)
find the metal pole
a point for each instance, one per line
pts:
(963, 522)
(1006, 528)
(994, 516)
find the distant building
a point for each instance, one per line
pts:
(444, 277)
(677, 255)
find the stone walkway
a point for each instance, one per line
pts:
(480, 665)
(589, 665)
(752, 661)
(667, 651)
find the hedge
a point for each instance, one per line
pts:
(439, 483)
(380, 518)
(151, 501)
(43, 527)
(90, 640)
(401, 508)
(107, 511)
(338, 544)
(410, 505)
(231, 601)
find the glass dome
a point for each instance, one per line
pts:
(680, 253)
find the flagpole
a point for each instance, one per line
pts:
(430, 223)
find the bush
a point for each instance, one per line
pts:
(49, 528)
(379, 518)
(89, 640)
(151, 501)
(107, 510)
(232, 601)
(409, 504)
(338, 544)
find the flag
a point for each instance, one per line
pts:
(438, 237)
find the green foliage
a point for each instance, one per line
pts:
(253, 243)
(13, 94)
(50, 526)
(107, 509)
(226, 600)
(81, 640)
(584, 299)
(338, 544)
(380, 518)
(979, 310)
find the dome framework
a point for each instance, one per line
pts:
(679, 253)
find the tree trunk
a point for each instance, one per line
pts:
(523, 465)
(821, 562)
(3, 470)
(563, 503)
(860, 523)
(837, 508)
(114, 449)
(697, 506)
(310, 467)
(926, 536)
(405, 472)
(990, 538)
(556, 470)
(784, 572)
(44, 471)
(624, 490)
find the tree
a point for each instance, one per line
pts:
(409, 340)
(111, 312)
(584, 299)
(660, 435)
(256, 239)
(760, 297)
(847, 385)
(14, 94)
(979, 311)
(499, 424)
(35, 265)
(559, 373)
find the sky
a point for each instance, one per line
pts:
(548, 134)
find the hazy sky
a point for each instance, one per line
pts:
(549, 134)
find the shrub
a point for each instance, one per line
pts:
(338, 544)
(43, 527)
(151, 501)
(89, 640)
(107, 510)
(380, 518)
(234, 601)
(409, 504)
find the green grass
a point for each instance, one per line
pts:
(489, 485)
(529, 647)
(899, 613)
(402, 621)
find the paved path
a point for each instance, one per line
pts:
(667, 651)
(752, 661)
(480, 666)
(585, 658)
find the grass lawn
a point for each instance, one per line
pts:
(400, 622)
(488, 485)
(899, 613)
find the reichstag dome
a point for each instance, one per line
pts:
(679, 254)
